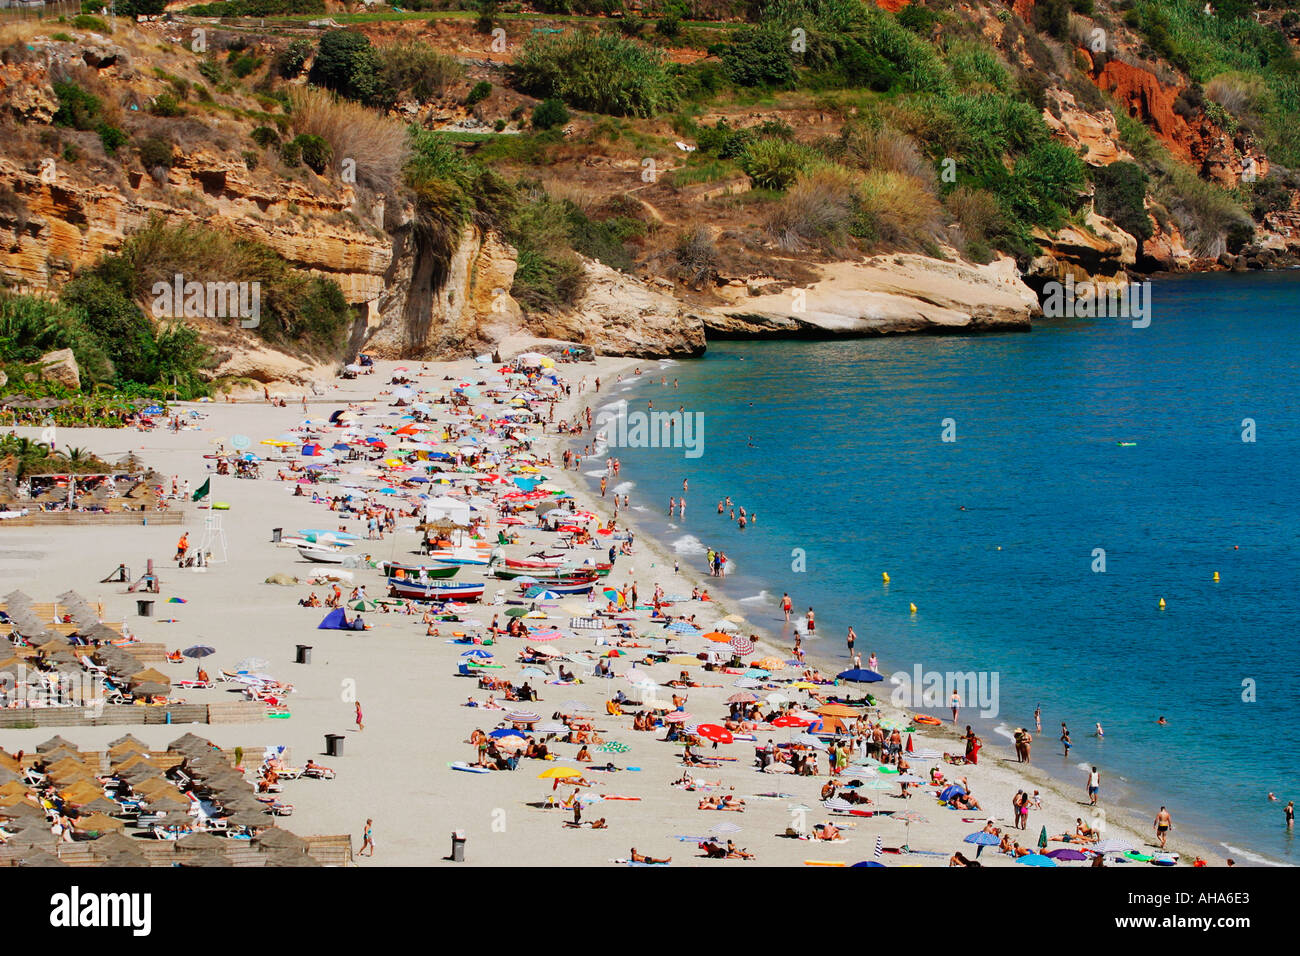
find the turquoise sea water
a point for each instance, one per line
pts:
(837, 447)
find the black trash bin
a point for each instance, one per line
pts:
(334, 745)
(304, 654)
(276, 533)
(458, 846)
(144, 608)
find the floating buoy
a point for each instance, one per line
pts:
(1216, 576)
(884, 576)
(1162, 604)
(912, 608)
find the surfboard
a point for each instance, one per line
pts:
(463, 766)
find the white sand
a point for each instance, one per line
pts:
(396, 770)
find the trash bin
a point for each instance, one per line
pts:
(304, 654)
(334, 745)
(276, 534)
(458, 846)
(144, 608)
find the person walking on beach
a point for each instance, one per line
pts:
(1038, 719)
(182, 546)
(367, 839)
(360, 725)
(955, 702)
(786, 605)
(1094, 786)
(1065, 738)
(851, 639)
(1163, 822)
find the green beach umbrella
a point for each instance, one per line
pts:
(367, 605)
(1042, 837)
(516, 611)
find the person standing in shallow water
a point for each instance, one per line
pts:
(851, 640)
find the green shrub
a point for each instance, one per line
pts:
(156, 151)
(418, 69)
(111, 137)
(314, 152)
(165, 104)
(78, 108)
(264, 136)
(759, 57)
(604, 72)
(696, 256)
(549, 113)
(1120, 194)
(818, 211)
(549, 275)
(291, 60)
(478, 93)
(86, 22)
(347, 64)
(776, 163)
(211, 71)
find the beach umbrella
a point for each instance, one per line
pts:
(559, 773)
(512, 742)
(741, 645)
(859, 675)
(744, 697)
(981, 840)
(806, 740)
(776, 697)
(683, 627)
(771, 664)
(907, 818)
(478, 653)
(838, 804)
(551, 727)
(954, 789)
(1035, 859)
(1110, 846)
(1067, 854)
(676, 718)
(534, 672)
(504, 732)
(199, 650)
(516, 611)
(837, 710)
(719, 735)
(789, 720)
(1042, 834)
(522, 717)
(716, 636)
(635, 676)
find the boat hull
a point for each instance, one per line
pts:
(412, 572)
(399, 588)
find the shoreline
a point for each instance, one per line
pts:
(1119, 816)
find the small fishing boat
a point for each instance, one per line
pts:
(412, 572)
(552, 574)
(322, 554)
(414, 591)
(570, 585)
(461, 556)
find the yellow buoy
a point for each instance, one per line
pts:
(1216, 575)
(1162, 604)
(884, 576)
(912, 608)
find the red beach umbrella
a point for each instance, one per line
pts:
(719, 735)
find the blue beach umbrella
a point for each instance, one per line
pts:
(482, 655)
(1036, 859)
(950, 791)
(868, 863)
(860, 675)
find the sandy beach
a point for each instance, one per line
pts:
(397, 770)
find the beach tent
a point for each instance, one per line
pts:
(336, 620)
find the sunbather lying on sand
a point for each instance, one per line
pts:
(826, 831)
(641, 858)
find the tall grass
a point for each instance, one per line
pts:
(377, 144)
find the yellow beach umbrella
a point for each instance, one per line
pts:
(561, 773)
(683, 660)
(837, 710)
(804, 685)
(771, 664)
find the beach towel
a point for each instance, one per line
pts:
(590, 623)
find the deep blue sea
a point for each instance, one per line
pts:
(838, 447)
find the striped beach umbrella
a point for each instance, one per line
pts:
(744, 697)
(880, 847)
(677, 717)
(741, 645)
(838, 804)
(522, 717)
